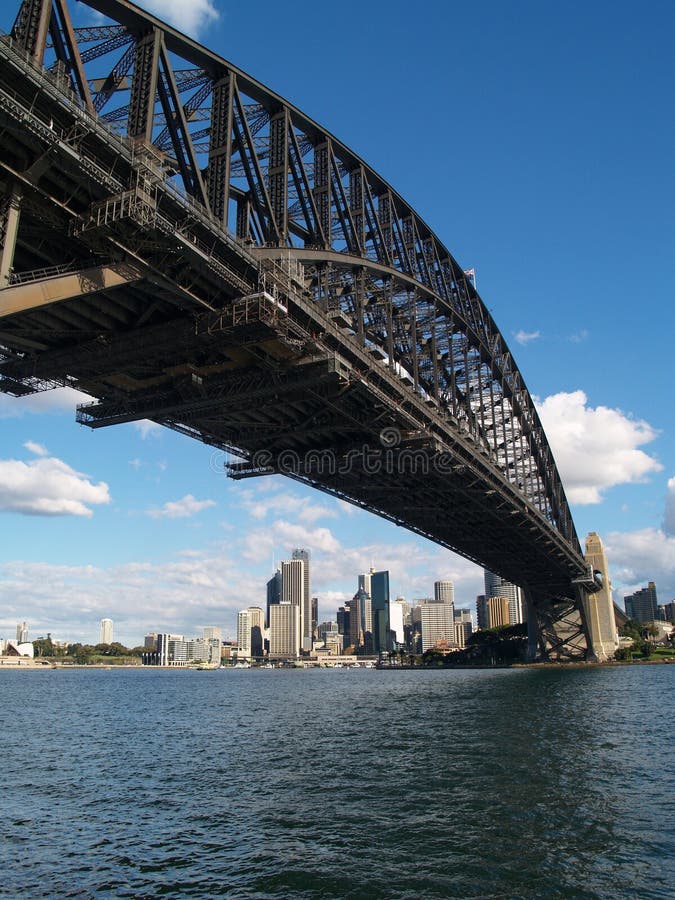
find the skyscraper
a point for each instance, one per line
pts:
(273, 593)
(357, 607)
(379, 599)
(367, 609)
(285, 630)
(106, 631)
(642, 605)
(22, 633)
(496, 586)
(444, 592)
(436, 624)
(250, 625)
(601, 621)
(498, 612)
(306, 614)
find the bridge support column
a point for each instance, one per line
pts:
(532, 629)
(10, 213)
(587, 607)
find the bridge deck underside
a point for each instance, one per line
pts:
(260, 383)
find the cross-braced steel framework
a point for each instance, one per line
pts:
(186, 246)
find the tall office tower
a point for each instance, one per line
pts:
(481, 611)
(150, 641)
(22, 633)
(397, 620)
(355, 617)
(406, 609)
(668, 610)
(642, 605)
(106, 631)
(601, 621)
(343, 622)
(436, 624)
(315, 615)
(306, 616)
(379, 601)
(498, 612)
(250, 625)
(463, 626)
(463, 631)
(363, 610)
(495, 586)
(273, 594)
(444, 592)
(285, 630)
(365, 585)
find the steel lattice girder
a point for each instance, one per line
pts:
(195, 139)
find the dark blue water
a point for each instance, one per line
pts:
(342, 783)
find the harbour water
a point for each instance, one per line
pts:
(523, 783)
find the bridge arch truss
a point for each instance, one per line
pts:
(189, 175)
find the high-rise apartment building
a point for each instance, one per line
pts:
(306, 613)
(106, 631)
(601, 621)
(250, 626)
(22, 633)
(496, 586)
(285, 630)
(642, 606)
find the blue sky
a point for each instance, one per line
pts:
(537, 141)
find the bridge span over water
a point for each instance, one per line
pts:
(186, 246)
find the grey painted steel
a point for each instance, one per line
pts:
(146, 149)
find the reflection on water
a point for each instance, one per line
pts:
(337, 783)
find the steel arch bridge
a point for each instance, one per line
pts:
(186, 246)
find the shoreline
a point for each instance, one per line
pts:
(26, 665)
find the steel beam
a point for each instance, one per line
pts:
(10, 212)
(21, 298)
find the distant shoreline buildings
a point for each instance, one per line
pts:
(371, 624)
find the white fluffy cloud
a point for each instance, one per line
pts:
(181, 509)
(48, 487)
(189, 16)
(595, 448)
(285, 503)
(37, 449)
(637, 557)
(525, 337)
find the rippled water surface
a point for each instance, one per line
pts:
(338, 783)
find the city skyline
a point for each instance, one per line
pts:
(142, 525)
